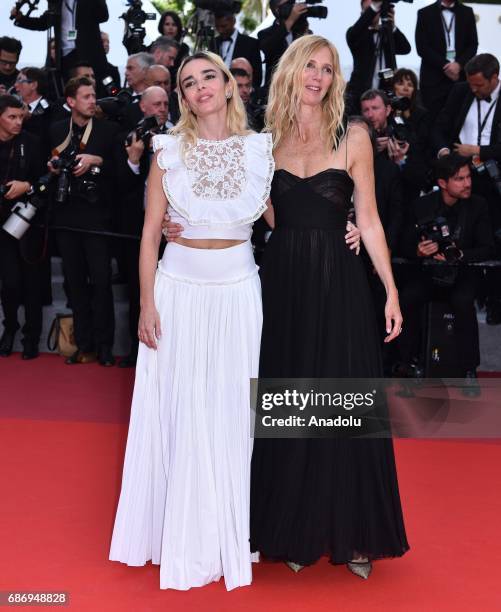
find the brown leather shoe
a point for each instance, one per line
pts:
(81, 357)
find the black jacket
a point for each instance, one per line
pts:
(363, 48)
(130, 189)
(451, 120)
(77, 211)
(248, 47)
(475, 237)
(273, 43)
(389, 198)
(89, 14)
(27, 164)
(431, 44)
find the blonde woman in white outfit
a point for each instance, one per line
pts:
(184, 502)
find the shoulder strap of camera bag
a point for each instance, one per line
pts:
(83, 143)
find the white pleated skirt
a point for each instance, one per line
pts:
(184, 502)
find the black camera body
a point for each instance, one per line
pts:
(145, 130)
(386, 77)
(398, 131)
(134, 19)
(84, 187)
(317, 12)
(116, 100)
(437, 230)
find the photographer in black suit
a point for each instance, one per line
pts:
(446, 39)
(470, 124)
(369, 51)
(76, 32)
(290, 23)
(132, 163)
(84, 146)
(230, 43)
(31, 86)
(397, 141)
(470, 239)
(21, 279)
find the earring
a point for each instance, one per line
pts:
(228, 95)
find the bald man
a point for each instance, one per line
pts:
(155, 101)
(242, 64)
(160, 76)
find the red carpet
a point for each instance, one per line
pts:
(62, 437)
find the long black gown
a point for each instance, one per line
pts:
(315, 497)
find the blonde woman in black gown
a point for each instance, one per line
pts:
(311, 497)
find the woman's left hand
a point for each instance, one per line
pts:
(393, 317)
(353, 237)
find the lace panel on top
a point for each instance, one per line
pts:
(217, 168)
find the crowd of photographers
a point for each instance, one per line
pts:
(75, 148)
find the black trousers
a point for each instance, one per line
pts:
(22, 283)
(418, 291)
(87, 271)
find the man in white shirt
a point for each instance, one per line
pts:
(31, 87)
(75, 28)
(446, 39)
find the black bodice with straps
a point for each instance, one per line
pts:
(320, 201)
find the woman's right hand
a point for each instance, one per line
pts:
(149, 329)
(171, 230)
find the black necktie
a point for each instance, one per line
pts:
(487, 99)
(448, 8)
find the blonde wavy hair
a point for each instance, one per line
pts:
(236, 117)
(284, 99)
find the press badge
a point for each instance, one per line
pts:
(72, 35)
(451, 55)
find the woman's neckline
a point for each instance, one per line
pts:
(210, 141)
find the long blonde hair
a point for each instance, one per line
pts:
(286, 87)
(236, 117)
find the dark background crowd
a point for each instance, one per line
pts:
(75, 148)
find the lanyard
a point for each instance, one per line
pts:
(71, 10)
(481, 125)
(448, 29)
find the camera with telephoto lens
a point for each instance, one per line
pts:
(22, 213)
(116, 100)
(437, 230)
(134, 18)
(145, 130)
(65, 163)
(317, 12)
(86, 188)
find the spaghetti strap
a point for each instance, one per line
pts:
(346, 149)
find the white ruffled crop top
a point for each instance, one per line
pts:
(220, 187)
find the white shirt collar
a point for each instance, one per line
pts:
(494, 94)
(34, 104)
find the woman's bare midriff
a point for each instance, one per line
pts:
(209, 243)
